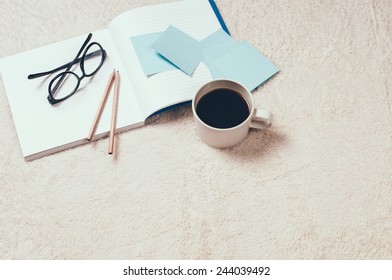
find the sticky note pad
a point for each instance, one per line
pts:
(218, 38)
(180, 49)
(216, 52)
(246, 65)
(215, 46)
(150, 60)
(210, 56)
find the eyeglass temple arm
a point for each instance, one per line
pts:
(41, 74)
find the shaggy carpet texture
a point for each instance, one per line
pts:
(317, 185)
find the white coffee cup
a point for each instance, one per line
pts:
(230, 133)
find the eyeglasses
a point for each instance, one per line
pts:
(67, 83)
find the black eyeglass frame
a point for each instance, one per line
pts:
(59, 78)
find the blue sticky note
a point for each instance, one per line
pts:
(214, 47)
(218, 38)
(210, 56)
(150, 61)
(246, 65)
(180, 49)
(216, 52)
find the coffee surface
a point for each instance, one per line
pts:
(222, 108)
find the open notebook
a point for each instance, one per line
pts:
(44, 129)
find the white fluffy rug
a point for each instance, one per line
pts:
(318, 185)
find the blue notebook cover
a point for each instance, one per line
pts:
(219, 16)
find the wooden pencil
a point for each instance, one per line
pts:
(114, 112)
(101, 107)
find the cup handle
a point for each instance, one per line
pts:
(261, 119)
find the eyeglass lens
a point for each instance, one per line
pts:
(67, 84)
(92, 59)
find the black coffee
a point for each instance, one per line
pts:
(222, 108)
